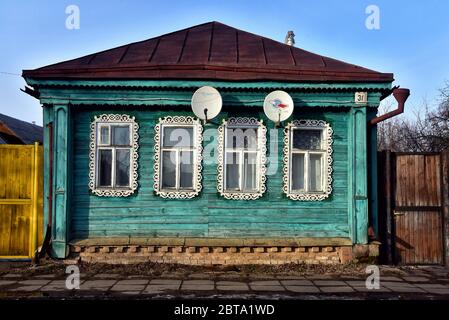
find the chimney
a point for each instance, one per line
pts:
(290, 38)
(33, 122)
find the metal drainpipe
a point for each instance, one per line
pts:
(401, 95)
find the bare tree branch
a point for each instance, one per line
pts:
(427, 132)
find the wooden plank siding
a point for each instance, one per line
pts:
(418, 180)
(21, 200)
(418, 209)
(208, 215)
(445, 198)
(418, 237)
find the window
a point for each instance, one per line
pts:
(308, 160)
(241, 158)
(113, 155)
(177, 158)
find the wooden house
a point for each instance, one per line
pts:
(15, 131)
(117, 189)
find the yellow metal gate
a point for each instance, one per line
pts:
(21, 203)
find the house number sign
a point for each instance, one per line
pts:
(361, 97)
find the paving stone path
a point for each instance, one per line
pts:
(420, 285)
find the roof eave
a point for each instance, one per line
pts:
(220, 74)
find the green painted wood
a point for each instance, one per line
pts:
(209, 215)
(144, 214)
(90, 97)
(180, 84)
(360, 172)
(47, 118)
(61, 188)
(350, 177)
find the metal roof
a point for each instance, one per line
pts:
(212, 51)
(14, 131)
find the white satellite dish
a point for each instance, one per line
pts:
(206, 103)
(278, 106)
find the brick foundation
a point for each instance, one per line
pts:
(223, 255)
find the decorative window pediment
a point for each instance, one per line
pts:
(241, 159)
(178, 157)
(113, 155)
(308, 160)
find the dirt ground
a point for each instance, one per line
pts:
(157, 269)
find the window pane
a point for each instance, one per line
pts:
(315, 172)
(186, 174)
(122, 167)
(168, 169)
(297, 182)
(250, 168)
(233, 138)
(307, 139)
(241, 138)
(104, 135)
(120, 135)
(250, 141)
(177, 136)
(232, 171)
(105, 168)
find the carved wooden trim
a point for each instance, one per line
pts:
(198, 150)
(262, 158)
(134, 136)
(309, 196)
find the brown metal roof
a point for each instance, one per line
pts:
(211, 51)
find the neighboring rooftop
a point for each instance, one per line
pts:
(14, 131)
(212, 51)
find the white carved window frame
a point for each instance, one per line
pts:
(243, 123)
(177, 121)
(327, 140)
(95, 127)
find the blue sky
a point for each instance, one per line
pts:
(413, 40)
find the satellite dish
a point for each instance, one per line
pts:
(278, 106)
(206, 103)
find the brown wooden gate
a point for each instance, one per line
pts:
(413, 189)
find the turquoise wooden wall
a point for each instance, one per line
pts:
(70, 105)
(208, 215)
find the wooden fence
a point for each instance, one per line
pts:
(21, 200)
(413, 192)
(414, 207)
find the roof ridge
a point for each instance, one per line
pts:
(154, 50)
(211, 41)
(237, 45)
(183, 45)
(292, 56)
(264, 51)
(123, 54)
